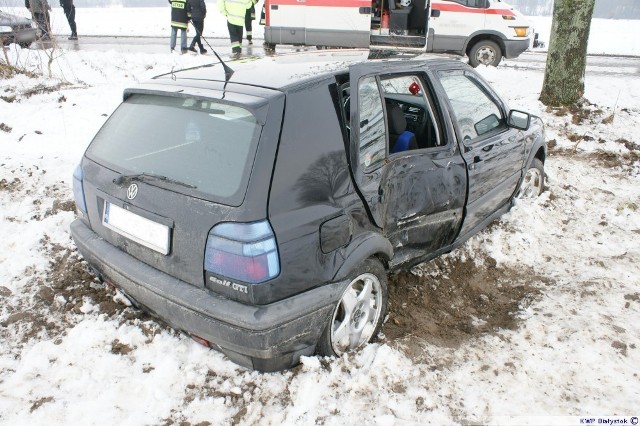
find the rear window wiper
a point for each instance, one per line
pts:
(149, 177)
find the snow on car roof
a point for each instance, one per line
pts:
(281, 71)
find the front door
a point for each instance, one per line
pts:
(416, 195)
(456, 21)
(493, 152)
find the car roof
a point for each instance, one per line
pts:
(288, 71)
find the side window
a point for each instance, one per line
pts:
(409, 110)
(472, 3)
(476, 112)
(372, 132)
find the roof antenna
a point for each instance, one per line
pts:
(228, 72)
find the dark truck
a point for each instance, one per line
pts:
(260, 210)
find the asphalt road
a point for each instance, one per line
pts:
(604, 65)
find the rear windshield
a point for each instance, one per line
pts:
(204, 144)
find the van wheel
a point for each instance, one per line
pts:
(485, 52)
(533, 183)
(358, 314)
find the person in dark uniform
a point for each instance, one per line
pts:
(40, 11)
(180, 14)
(249, 16)
(70, 13)
(198, 13)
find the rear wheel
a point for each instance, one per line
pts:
(485, 52)
(358, 314)
(533, 183)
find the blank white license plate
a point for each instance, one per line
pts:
(137, 228)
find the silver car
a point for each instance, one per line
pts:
(16, 29)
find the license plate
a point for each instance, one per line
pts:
(137, 228)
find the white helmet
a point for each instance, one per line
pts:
(405, 3)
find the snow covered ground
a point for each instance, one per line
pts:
(539, 315)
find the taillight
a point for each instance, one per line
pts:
(244, 252)
(78, 191)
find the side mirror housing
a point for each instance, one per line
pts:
(519, 119)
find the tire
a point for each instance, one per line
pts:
(485, 52)
(350, 326)
(533, 182)
(25, 45)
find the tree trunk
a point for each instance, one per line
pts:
(567, 57)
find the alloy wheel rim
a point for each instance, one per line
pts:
(531, 185)
(356, 316)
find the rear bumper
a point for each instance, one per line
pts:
(266, 338)
(513, 48)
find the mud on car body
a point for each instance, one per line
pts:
(262, 211)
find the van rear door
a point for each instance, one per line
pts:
(338, 22)
(345, 23)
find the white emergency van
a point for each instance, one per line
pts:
(484, 30)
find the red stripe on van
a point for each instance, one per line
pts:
(323, 3)
(455, 7)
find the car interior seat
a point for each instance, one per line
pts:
(400, 139)
(399, 17)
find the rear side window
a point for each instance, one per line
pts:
(206, 145)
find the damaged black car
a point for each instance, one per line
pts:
(261, 209)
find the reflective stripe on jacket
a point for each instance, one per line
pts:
(234, 10)
(180, 13)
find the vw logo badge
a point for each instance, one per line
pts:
(132, 191)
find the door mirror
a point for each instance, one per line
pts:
(435, 13)
(487, 124)
(519, 119)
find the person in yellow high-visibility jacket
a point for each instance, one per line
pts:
(235, 11)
